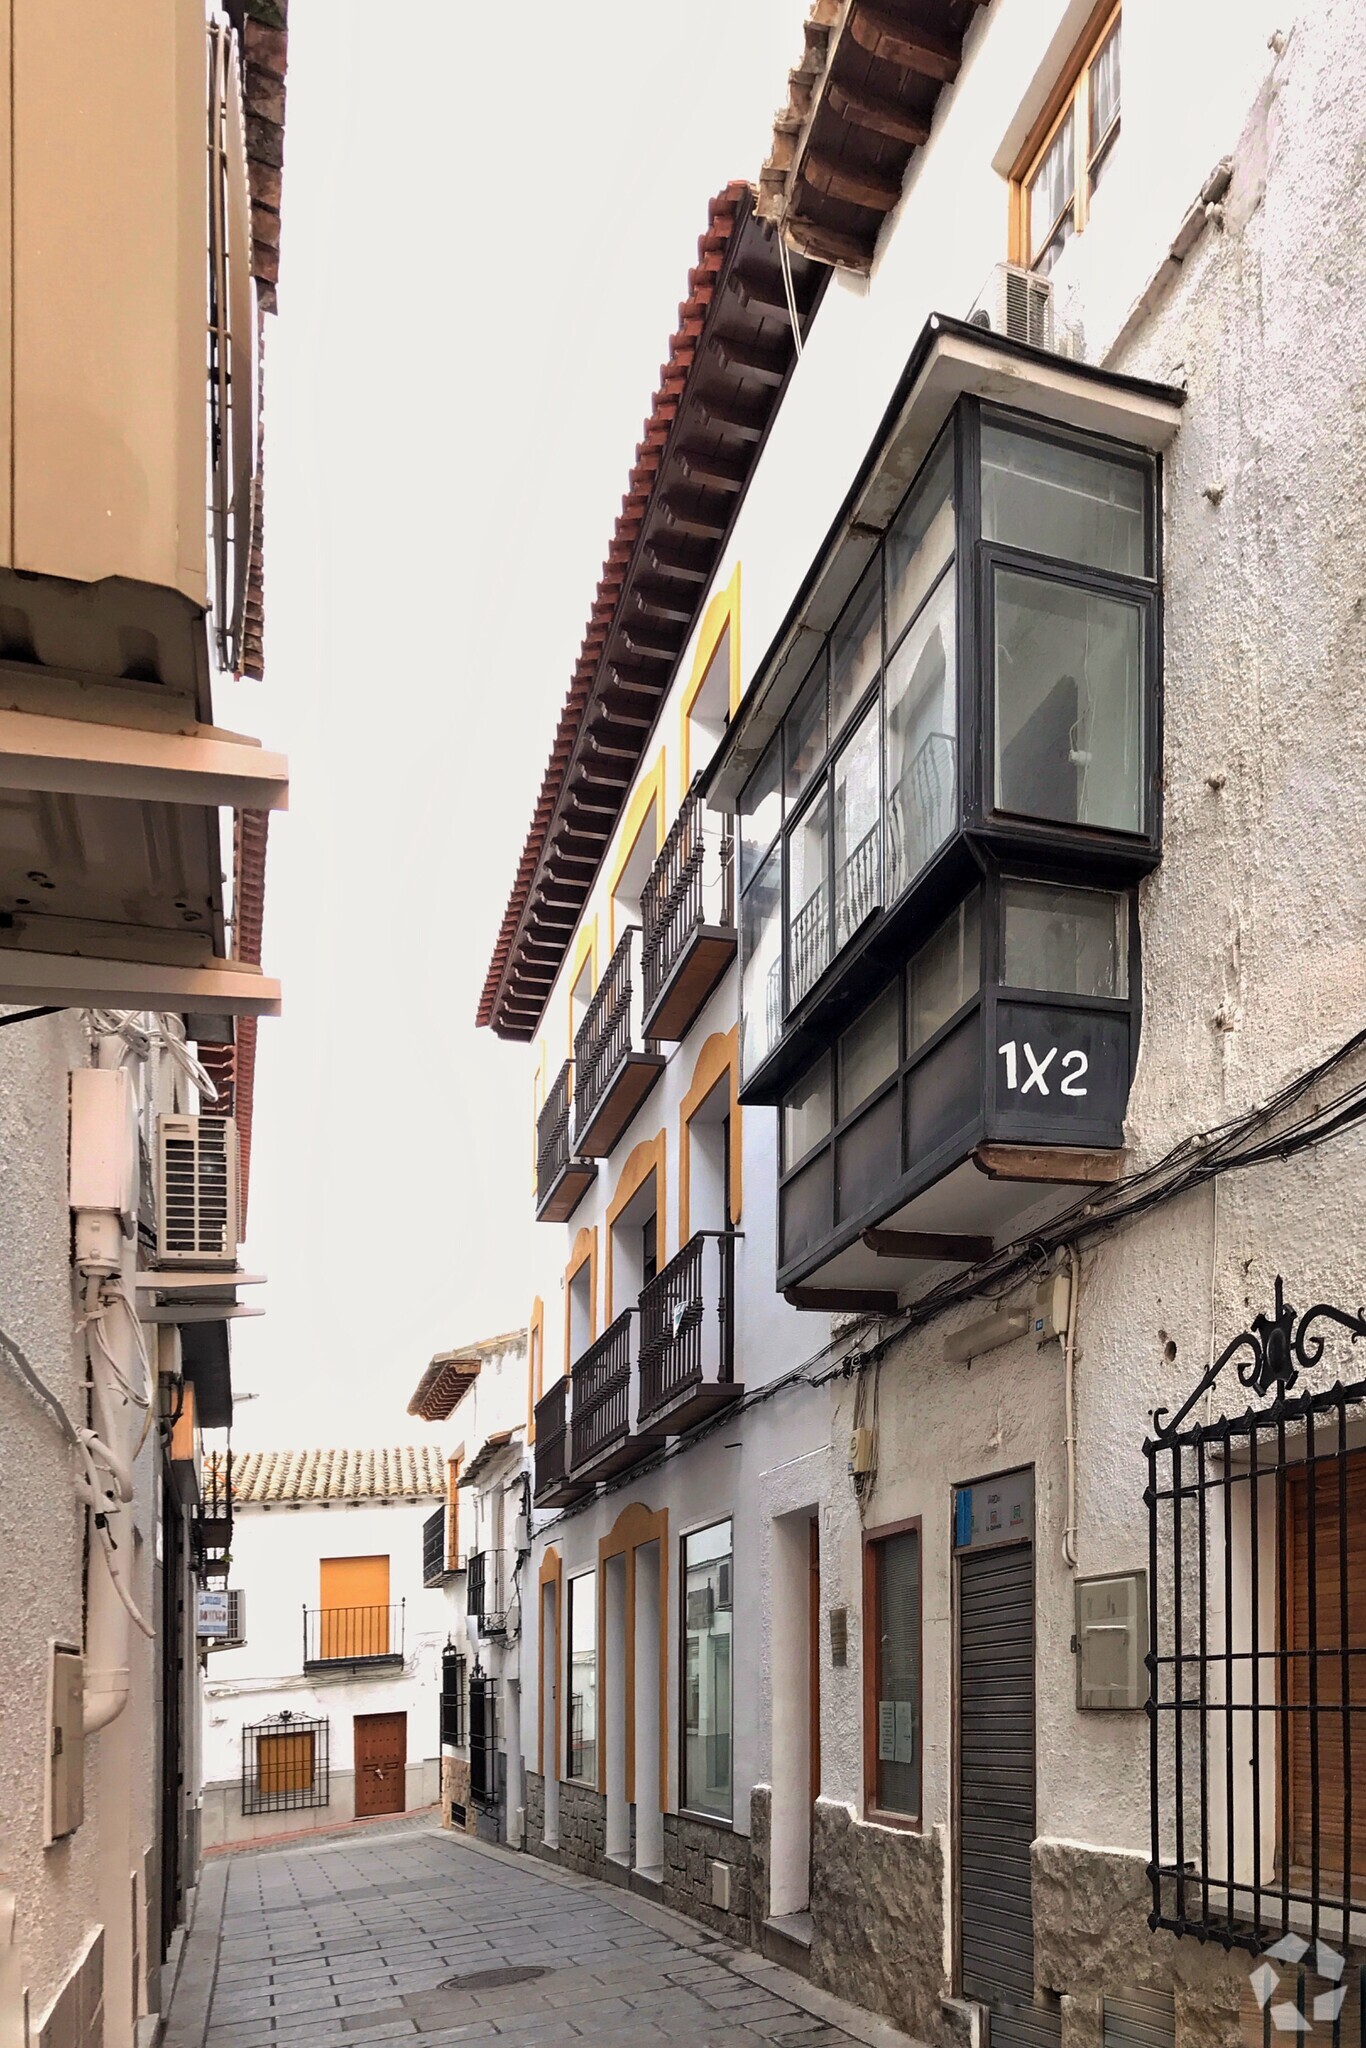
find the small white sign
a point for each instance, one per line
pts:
(213, 1614)
(886, 1731)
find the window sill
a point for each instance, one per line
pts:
(901, 1823)
(711, 1820)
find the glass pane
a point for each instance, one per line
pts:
(706, 1674)
(869, 1161)
(856, 645)
(870, 1050)
(1068, 502)
(1104, 92)
(806, 1113)
(1052, 192)
(944, 973)
(922, 797)
(898, 1673)
(806, 1213)
(855, 792)
(1069, 704)
(808, 891)
(804, 734)
(583, 1678)
(761, 951)
(761, 811)
(1073, 941)
(920, 540)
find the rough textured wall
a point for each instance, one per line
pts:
(878, 1918)
(690, 1848)
(583, 1829)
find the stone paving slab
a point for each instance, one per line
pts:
(408, 1937)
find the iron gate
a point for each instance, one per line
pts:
(1257, 1658)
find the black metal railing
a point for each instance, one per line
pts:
(601, 1413)
(434, 1548)
(808, 945)
(484, 1741)
(476, 1583)
(674, 900)
(921, 808)
(353, 1635)
(857, 891)
(1257, 1644)
(487, 1583)
(452, 1699)
(285, 1764)
(552, 1438)
(677, 1351)
(603, 1039)
(213, 1517)
(552, 1130)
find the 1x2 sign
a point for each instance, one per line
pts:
(1061, 1066)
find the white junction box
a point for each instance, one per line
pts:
(104, 1143)
(1112, 1641)
(720, 1887)
(65, 1743)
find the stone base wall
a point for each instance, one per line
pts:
(77, 2016)
(1091, 1936)
(877, 1911)
(583, 1829)
(535, 1814)
(455, 1791)
(691, 1846)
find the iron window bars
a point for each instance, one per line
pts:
(994, 677)
(453, 1666)
(488, 1591)
(434, 1547)
(1257, 1664)
(286, 1764)
(484, 1740)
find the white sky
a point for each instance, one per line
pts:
(489, 216)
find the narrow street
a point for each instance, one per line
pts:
(415, 1936)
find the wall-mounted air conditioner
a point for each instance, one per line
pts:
(1022, 305)
(196, 1191)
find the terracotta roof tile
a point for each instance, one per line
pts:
(408, 1472)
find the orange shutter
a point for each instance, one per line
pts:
(354, 1598)
(284, 1763)
(1335, 1544)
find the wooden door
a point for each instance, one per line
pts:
(354, 1598)
(381, 1760)
(1318, 1557)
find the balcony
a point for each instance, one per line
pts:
(687, 910)
(440, 1555)
(353, 1639)
(602, 1438)
(213, 1517)
(488, 1590)
(687, 1335)
(555, 1487)
(562, 1180)
(615, 1067)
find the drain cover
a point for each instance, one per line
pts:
(493, 1980)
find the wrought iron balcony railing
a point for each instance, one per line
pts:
(614, 1066)
(552, 1448)
(601, 1384)
(439, 1553)
(687, 1333)
(562, 1179)
(488, 1590)
(353, 1635)
(687, 919)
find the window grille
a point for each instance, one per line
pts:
(1257, 1670)
(483, 1741)
(452, 1700)
(285, 1764)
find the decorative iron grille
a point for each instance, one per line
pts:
(483, 1740)
(552, 1438)
(673, 901)
(673, 1312)
(452, 1700)
(353, 1635)
(601, 1413)
(552, 1130)
(434, 1533)
(286, 1764)
(603, 1039)
(1257, 1659)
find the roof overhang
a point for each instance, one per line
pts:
(78, 757)
(489, 1454)
(77, 982)
(443, 1386)
(951, 359)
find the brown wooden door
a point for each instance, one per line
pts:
(1338, 1541)
(381, 1761)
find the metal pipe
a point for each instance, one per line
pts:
(1068, 1340)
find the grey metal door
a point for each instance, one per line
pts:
(996, 1792)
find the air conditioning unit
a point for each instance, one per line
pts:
(223, 1620)
(1022, 305)
(196, 1191)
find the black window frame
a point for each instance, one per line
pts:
(1100, 855)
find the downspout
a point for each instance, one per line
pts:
(1068, 1341)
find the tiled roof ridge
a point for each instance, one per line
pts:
(722, 213)
(313, 1475)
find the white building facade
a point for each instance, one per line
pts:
(477, 1548)
(898, 1610)
(322, 1706)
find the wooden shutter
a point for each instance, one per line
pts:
(1336, 1541)
(354, 1598)
(284, 1763)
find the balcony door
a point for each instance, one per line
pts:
(354, 1598)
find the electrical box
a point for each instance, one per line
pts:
(860, 1453)
(1112, 1641)
(720, 1887)
(104, 1166)
(66, 1743)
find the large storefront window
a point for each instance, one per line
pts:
(892, 1647)
(583, 1678)
(706, 1671)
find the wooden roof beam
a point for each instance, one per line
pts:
(760, 359)
(895, 41)
(878, 116)
(714, 471)
(828, 245)
(857, 184)
(928, 1244)
(670, 559)
(693, 515)
(659, 602)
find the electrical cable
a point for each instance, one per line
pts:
(144, 1031)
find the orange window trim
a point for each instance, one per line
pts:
(722, 612)
(648, 797)
(719, 1055)
(550, 1574)
(634, 1527)
(650, 1156)
(585, 952)
(1036, 143)
(453, 1465)
(535, 1364)
(585, 1252)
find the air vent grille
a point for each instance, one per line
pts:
(197, 1191)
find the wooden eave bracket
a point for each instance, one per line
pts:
(1068, 1165)
(930, 1245)
(843, 1300)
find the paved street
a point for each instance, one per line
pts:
(416, 1937)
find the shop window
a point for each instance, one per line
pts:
(705, 1669)
(892, 1676)
(583, 1678)
(1060, 170)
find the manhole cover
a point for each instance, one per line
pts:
(493, 1980)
